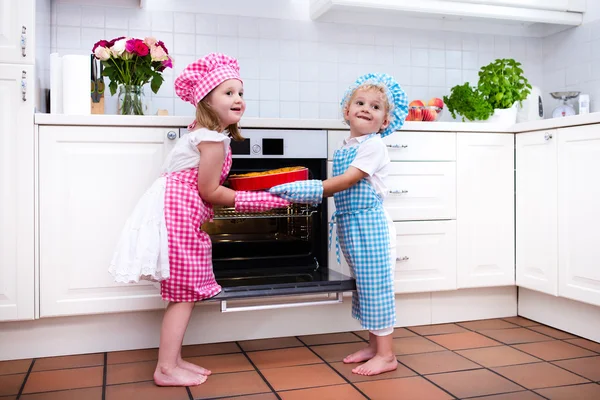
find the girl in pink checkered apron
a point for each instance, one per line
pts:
(162, 239)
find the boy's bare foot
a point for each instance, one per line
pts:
(193, 367)
(377, 365)
(362, 355)
(177, 377)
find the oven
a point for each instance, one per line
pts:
(281, 252)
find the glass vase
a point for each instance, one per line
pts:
(131, 100)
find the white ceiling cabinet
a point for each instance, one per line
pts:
(524, 17)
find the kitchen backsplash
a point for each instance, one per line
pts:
(297, 68)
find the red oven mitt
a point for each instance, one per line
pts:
(257, 201)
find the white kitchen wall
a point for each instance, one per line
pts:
(292, 67)
(572, 60)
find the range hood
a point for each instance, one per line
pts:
(533, 17)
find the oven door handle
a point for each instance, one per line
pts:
(339, 298)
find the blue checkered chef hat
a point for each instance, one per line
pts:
(394, 92)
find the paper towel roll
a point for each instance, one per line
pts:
(56, 100)
(76, 80)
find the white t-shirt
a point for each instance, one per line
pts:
(185, 154)
(372, 158)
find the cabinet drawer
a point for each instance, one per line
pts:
(421, 191)
(407, 146)
(425, 256)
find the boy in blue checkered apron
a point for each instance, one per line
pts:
(374, 106)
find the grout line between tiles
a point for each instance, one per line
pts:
(258, 371)
(104, 373)
(25, 379)
(335, 370)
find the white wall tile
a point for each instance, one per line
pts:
(68, 37)
(68, 15)
(269, 109)
(289, 50)
(437, 58)
(453, 59)
(269, 90)
(289, 91)
(92, 17)
(227, 25)
(419, 76)
(328, 93)
(116, 18)
(329, 111)
(248, 27)
(289, 109)
(248, 47)
(206, 24)
(289, 71)
(205, 44)
(309, 110)
(269, 69)
(252, 109)
(309, 91)
(419, 57)
(184, 43)
(162, 21)
(143, 20)
(89, 36)
(228, 45)
(437, 77)
(184, 22)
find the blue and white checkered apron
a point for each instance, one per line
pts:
(362, 231)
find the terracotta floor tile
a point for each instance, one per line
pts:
(589, 391)
(540, 375)
(465, 340)
(362, 334)
(441, 361)
(337, 352)
(117, 357)
(512, 396)
(486, 324)
(235, 384)
(521, 321)
(498, 356)
(588, 367)
(221, 364)
(63, 379)
(283, 357)
(398, 333)
(270, 344)
(554, 350)
(346, 371)
(480, 382)
(413, 388)
(130, 372)
(516, 335)
(337, 392)
(64, 362)
(331, 338)
(262, 396)
(588, 344)
(555, 333)
(414, 345)
(11, 384)
(437, 329)
(300, 377)
(14, 366)
(146, 391)
(75, 394)
(211, 349)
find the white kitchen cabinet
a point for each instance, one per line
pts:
(421, 191)
(16, 193)
(485, 210)
(17, 31)
(536, 211)
(90, 178)
(425, 256)
(579, 213)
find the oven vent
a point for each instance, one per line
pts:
(293, 211)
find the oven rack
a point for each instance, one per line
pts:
(293, 211)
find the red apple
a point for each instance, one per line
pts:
(435, 102)
(416, 103)
(415, 114)
(429, 115)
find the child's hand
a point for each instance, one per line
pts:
(306, 192)
(257, 201)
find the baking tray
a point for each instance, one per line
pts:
(264, 182)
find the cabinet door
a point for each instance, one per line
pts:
(425, 256)
(17, 29)
(90, 178)
(421, 191)
(16, 194)
(579, 213)
(536, 211)
(485, 215)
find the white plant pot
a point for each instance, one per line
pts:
(504, 117)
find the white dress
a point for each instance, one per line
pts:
(142, 250)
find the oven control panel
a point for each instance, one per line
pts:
(279, 143)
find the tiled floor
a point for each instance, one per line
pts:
(500, 359)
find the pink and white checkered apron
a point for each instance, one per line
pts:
(190, 250)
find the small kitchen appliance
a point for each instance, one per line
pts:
(532, 107)
(565, 109)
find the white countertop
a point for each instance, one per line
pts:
(331, 124)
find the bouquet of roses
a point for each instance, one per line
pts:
(131, 61)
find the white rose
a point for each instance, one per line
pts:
(102, 53)
(157, 53)
(150, 41)
(118, 48)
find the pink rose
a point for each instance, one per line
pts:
(102, 53)
(150, 41)
(100, 43)
(157, 53)
(161, 44)
(141, 49)
(112, 42)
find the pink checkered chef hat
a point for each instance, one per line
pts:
(205, 74)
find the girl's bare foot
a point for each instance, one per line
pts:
(177, 377)
(193, 367)
(361, 355)
(377, 365)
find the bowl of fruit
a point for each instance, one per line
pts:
(418, 111)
